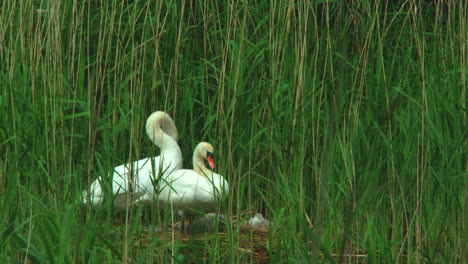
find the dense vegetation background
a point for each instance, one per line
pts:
(343, 121)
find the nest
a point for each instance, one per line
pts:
(239, 243)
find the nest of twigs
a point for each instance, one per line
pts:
(241, 242)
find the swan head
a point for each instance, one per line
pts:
(161, 120)
(205, 150)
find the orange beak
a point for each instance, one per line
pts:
(210, 161)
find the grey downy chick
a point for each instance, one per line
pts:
(207, 224)
(258, 221)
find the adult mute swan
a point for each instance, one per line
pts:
(198, 189)
(135, 181)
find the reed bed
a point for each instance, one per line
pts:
(343, 122)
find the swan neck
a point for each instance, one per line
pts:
(158, 136)
(167, 143)
(199, 164)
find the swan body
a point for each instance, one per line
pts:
(197, 189)
(135, 181)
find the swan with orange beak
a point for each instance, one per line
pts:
(199, 189)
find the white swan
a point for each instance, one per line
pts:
(199, 189)
(135, 181)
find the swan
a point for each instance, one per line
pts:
(199, 189)
(135, 181)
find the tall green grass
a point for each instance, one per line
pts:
(344, 122)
